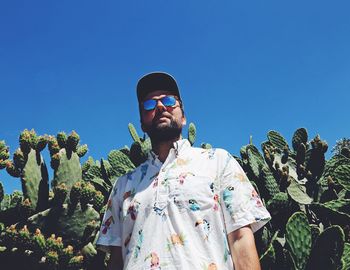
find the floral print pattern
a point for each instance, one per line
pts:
(204, 193)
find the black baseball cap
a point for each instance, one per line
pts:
(155, 81)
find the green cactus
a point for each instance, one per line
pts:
(345, 259)
(82, 150)
(26, 139)
(133, 133)
(340, 205)
(1, 193)
(342, 175)
(277, 140)
(64, 221)
(4, 155)
(35, 180)
(329, 215)
(89, 251)
(278, 204)
(65, 162)
(206, 146)
(330, 167)
(298, 192)
(39, 243)
(26, 209)
(327, 250)
(54, 243)
(288, 180)
(139, 151)
(91, 169)
(76, 262)
(60, 192)
(75, 193)
(66, 254)
(140, 148)
(51, 259)
(267, 184)
(299, 137)
(256, 161)
(120, 163)
(87, 194)
(62, 139)
(191, 133)
(98, 201)
(24, 240)
(269, 256)
(316, 161)
(298, 239)
(72, 142)
(29, 165)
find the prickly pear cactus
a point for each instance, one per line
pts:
(298, 180)
(191, 133)
(328, 249)
(4, 154)
(307, 196)
(65, 153)
(140, 148)
(29, 165)
(298, 238)
(66, 222)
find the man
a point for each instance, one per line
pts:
(184, 208)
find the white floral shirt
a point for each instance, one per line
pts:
(177, 214)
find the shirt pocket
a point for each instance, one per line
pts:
(198, 193)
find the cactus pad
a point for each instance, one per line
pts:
(342, 175)
(298, 192)
(299, 137)
(277, 140)
(191, 133)
(298, 238)
(328, 249)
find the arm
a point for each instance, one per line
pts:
(243, 250)
(116, 260)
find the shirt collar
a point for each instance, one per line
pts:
(179, 146)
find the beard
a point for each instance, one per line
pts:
(160, 133)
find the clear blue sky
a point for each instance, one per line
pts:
(244, 68)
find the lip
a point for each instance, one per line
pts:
(162, 116)
(161, 119)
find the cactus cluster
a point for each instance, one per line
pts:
(308, 198)
(40, 252)
(70, 210)
(56, 228)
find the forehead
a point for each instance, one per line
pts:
(156, 93)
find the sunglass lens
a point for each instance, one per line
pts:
(150, 104)
(168, 101)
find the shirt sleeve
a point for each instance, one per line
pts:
(240, 203)
(110, 232)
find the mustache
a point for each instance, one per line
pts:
(162, 114)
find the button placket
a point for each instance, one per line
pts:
(163, 188)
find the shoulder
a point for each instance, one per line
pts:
(122, 181)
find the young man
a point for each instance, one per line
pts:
(184, 208)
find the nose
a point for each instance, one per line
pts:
(160, 106)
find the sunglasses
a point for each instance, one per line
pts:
(151, 104)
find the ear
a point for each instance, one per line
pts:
(184, 121)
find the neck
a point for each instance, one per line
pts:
(162, 148)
